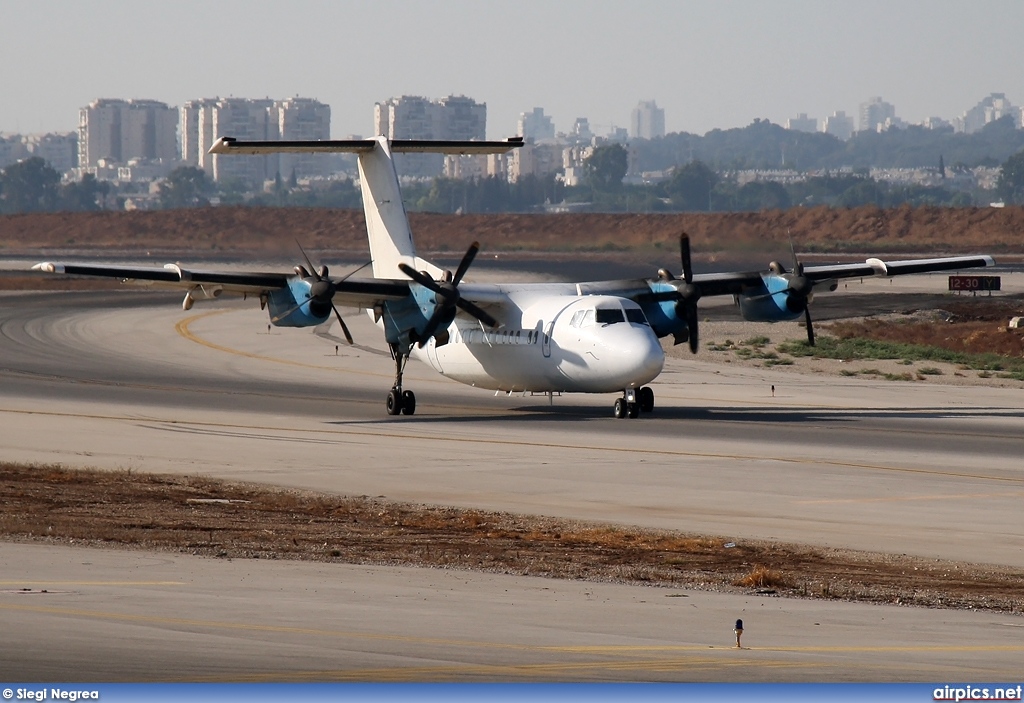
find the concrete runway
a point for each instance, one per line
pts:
(128, 380)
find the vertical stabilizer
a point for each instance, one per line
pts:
(387, 224)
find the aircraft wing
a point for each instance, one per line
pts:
(738, 282)
(351, 292)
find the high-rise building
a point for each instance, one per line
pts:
(12, 150)
(581, 130)
(196, 131)
(839, 125)
(535, 125)
(245, 120)
(303, 119)
(990, 109)
(204, 121)
(120, 130)
(802, 123)
(648, 121)
(455, 117)
(60, 151)
(876, 113)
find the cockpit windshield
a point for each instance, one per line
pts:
(636, 316)
(609, 316)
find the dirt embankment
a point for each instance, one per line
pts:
(204, 516)
(273, 231)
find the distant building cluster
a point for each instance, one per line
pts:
(202, 122)
(877, 115)
(140, 142)
(455, 117)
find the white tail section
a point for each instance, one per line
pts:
(387, 224)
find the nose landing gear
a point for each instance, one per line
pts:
(633, 401)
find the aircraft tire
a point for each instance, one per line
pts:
(408, 402)
(394, 402)
(620, 408)
(632, 410)
(645, 398)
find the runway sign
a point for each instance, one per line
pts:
(974, 283)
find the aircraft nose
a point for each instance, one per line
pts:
(636, 355)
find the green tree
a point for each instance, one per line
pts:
(606, 167)
(1010, 185)
(758, 195)
(29, 186)
(185, 187)
(691, 186)
(85, 195)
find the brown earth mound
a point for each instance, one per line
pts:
(272, 231)
(209, 517)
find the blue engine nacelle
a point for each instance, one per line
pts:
(292, 306)
(665, 316)
(405, 320)
(769, 307)
(780, 297)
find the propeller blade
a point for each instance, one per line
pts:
(312, 268)
(344, 327)
(283, 315)
(684, 254)
(476, 312)
(353, 272)
(424, 280)
(466, 261)
(432, 324)
(810, 326)
(691, 323)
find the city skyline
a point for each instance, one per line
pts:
(707, 65)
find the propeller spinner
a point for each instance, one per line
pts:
(447, 295)
(321, 291)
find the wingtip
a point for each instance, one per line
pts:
(221, 146)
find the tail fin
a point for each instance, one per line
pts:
(387, 224)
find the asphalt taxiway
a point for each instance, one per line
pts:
(128, 380)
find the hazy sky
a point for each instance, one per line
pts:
(719, 63)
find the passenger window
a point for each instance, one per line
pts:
(636, 316)
(609, 316)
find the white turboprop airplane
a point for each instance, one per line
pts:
(596, 337)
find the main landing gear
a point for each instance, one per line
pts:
(400, 402)
(633, 402)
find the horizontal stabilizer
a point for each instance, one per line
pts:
(230, 145)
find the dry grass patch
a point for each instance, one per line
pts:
(762, 577)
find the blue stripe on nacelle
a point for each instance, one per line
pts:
(284, 308)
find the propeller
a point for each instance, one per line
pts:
(689, 294)
(321, 291)
(799, 290)
(447, 295)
